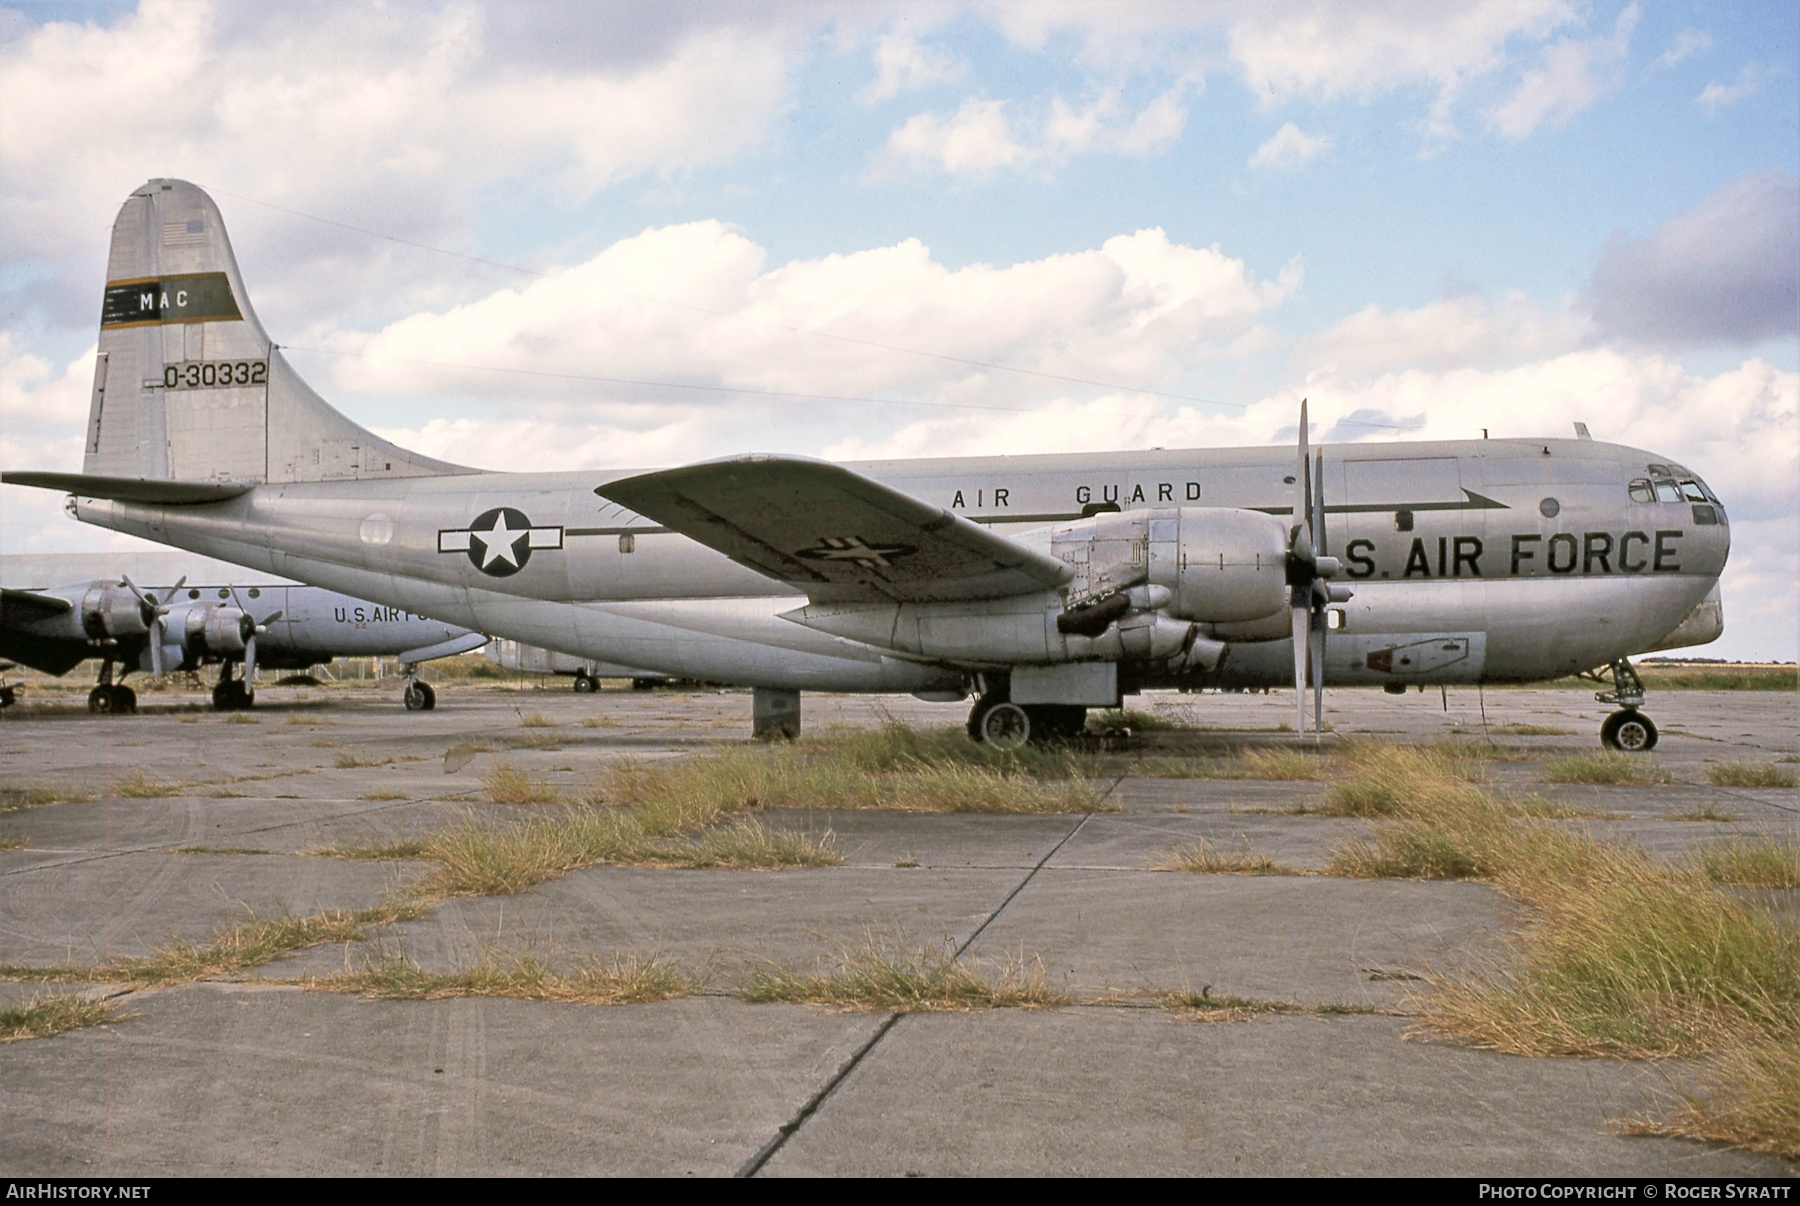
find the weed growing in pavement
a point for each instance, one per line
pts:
(138, 786)
(45, 1016)
(1749, 774)
(509, 784)
(1751, 863)
(884, 975)
(623, 981)
(1206, 859)
(1607, 768)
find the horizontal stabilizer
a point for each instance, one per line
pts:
(835, 534)
(131, 489)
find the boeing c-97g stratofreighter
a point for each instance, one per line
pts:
(1043, 585)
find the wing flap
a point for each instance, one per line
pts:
(835, 534)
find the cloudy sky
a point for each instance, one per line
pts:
(535, 236)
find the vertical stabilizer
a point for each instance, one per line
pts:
(188, 386)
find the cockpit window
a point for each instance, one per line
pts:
(1692, 492)
(1668, 492)
(1641, 492)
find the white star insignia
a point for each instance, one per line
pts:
(498, 543)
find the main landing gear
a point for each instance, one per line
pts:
(1005, 725)
(585, 683)
(231, 694)
(108, 696)
(1627, 729)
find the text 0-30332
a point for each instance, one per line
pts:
(215, 374)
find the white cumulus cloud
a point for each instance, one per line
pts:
(1574, 74)
(1288, 148)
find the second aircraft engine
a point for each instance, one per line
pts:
(109, 610)
(1147, 583)
(1213, 564)
(215, 631)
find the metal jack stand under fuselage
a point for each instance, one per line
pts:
(1627, 729)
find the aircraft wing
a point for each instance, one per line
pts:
(24, 607)
(51, 655)
(835, 534)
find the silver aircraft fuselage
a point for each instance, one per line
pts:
(1471, 561)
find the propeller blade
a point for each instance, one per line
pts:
(1318, 504)
(269, 619)
(1317, 650)
(156, 647)
(1302, 621)
(250, 662)
(1303, 481)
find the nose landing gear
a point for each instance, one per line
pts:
(1627, 729)
(419, 696)
(231, 694)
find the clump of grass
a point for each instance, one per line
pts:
(14, 798)
(1720, 678)
(1386, 781)
(1704, 813)
(349, 761)
(1204, 1006)
(1755, 863)
(623, 981)
(1277, 764)
(599, 722)
(536, 720)
(242, 718)
(1607, 768)
(383, 795)
(233, 949)
(138, 786)
(1749, 774)
(1206, 859)
(881, 975)
(857, 774)
(536, 741)
(1130, 720)
(748, 844)
(1748, 1097)
(51, 1015)
(392, 851)
(9, 842)
(219, 850)
(509, 784)
(896, 746)
(1531, 730)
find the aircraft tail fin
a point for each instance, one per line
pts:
(188, 386)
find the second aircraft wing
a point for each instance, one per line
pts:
(835, 534)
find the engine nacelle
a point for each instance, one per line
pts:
(112, 611)
(215, 631)
(1218, 564)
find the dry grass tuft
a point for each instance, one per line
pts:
(392, 852)
(1295, 765)
(11, 842)
(892, 768)
(1607, 768)
(599, 722)
(374, 796)
(881, 975)
(624, 981)
(536, 720)
(1704, 813)
(138, 786)
(1755, 863)
(1117, 721)
(46, 1016)
(242, 718)
(14, 798)
(1206, 859)
(509, 784)
(1203, 1006)
(1748, 1097)
(1749, 774)
(1531, 730)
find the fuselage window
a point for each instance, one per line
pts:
(1668, 492)
(1641, 492)
(627, 543)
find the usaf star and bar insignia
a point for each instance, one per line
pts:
(500, 541)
